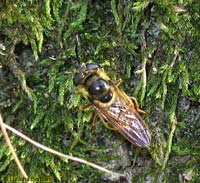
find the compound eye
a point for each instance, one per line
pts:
(78, 78)
(92, 66)
(98, 87)
(106, 98)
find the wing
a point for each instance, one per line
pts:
(123, 117)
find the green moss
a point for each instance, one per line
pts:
(159, 37)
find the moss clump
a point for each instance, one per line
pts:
(151, 45)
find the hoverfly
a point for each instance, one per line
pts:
(112, 104)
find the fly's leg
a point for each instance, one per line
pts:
(128, 99)
(94, 121)
(105, 123)
(77, 93)
(137, 107)
(84, 107)
(118, 82)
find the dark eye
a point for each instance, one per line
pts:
(77, 78)
(107, 97)
(98, 87)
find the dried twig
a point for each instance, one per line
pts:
(7, 139)
(61, 154)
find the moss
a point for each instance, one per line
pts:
(152, 46)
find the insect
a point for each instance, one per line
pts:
(112, 104)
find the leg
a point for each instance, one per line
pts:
(94, 121)
(106, 124)
(128, 99)
(77, 93)
(82, 108)
(118, 82)
(137, 107)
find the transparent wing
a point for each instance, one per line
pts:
(127, 121)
